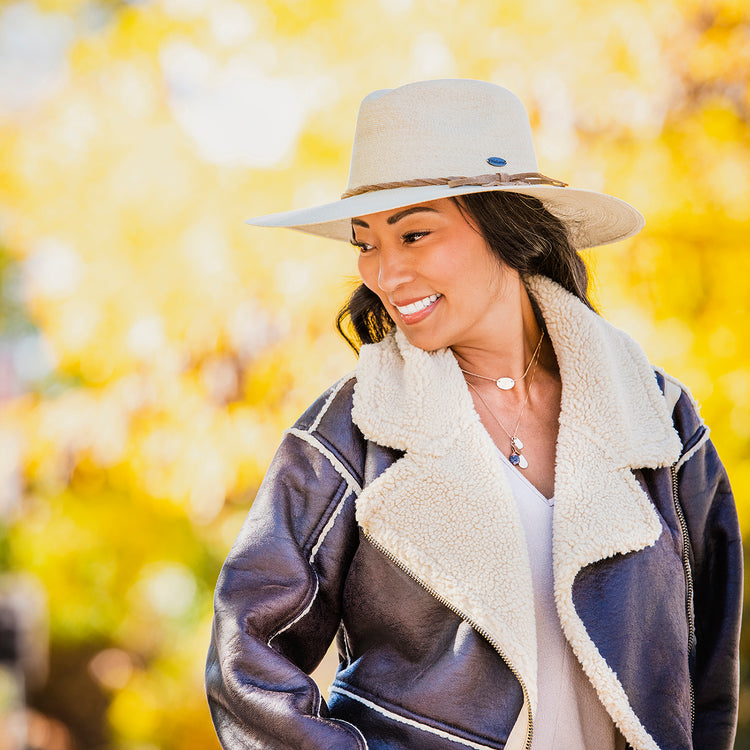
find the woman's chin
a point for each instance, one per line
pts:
(429, 341)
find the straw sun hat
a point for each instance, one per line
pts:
(437, 139)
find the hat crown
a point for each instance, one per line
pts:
(441, 128)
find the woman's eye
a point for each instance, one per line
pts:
(362, 247)
(410, 237)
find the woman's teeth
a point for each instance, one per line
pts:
(420, 304)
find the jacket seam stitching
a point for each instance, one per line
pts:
(355, 729)
(409, 722)
(297, 618)
(689, 454)
(311, 540)
(330, 523)
(332, 396)
(347, 726)
(311, 558)
(335, 462)
(338, 455)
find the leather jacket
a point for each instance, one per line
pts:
(385, 521)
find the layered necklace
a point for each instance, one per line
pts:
(505, 383)
(516, 446)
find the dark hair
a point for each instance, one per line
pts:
(521, 233)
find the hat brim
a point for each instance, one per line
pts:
(592, 218)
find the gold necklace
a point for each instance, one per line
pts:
(516, 446)
(506, 383)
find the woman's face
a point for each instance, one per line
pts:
(434, 273)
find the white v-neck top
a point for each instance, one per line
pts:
(569, 714)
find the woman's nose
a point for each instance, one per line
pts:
(394, 269)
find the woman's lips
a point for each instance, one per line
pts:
(417, 310)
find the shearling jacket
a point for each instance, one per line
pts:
(386, 521)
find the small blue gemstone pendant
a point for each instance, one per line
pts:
(496, 161)
(518, 459)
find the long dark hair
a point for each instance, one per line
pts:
(521, 233)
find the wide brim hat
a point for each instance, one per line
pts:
(444, 138)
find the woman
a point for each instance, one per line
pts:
(410, 511)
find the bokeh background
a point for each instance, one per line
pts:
(153, 347)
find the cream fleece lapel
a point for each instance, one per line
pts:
(613, 418)
(445, 510)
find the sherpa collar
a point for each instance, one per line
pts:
(445, 509)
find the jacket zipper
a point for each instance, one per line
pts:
(688, 581)
(479, 629)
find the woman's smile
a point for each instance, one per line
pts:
(413, 312)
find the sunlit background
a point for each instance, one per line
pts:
(153, 347)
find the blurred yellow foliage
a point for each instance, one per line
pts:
(179, 343)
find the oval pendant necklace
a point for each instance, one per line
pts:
(505, 383)
(516, 446)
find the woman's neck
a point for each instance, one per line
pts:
(510, 348)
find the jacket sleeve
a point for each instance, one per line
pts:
(277, 605)
(716, 547)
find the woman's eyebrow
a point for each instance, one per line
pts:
(412, 210)
(397, 216)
